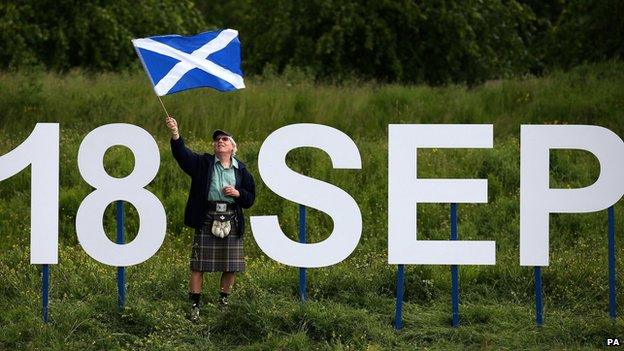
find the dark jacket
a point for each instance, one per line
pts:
(200, 168)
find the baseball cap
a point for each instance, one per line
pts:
(218, 132)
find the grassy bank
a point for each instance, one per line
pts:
(589, 95)
(351, 304)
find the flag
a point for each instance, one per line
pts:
(175, 63)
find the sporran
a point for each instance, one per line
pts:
(222, 219)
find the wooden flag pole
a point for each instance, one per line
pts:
(163, 105)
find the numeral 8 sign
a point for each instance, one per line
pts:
(152, 217)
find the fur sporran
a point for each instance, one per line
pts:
(222, 223)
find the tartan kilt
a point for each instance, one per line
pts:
(213, 254)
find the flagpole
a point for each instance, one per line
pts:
(163, 105)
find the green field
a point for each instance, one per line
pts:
(351, 304)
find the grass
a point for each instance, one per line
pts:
(351, 304)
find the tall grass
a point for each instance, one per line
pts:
(81, 102)
(350, 304)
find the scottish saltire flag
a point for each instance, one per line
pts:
(175, 63)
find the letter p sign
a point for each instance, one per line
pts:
(538, 200)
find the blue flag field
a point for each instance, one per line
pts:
(175, 63)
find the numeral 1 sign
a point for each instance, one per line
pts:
(41, 150)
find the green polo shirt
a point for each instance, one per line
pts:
(222, 177)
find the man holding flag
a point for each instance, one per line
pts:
(221, 185)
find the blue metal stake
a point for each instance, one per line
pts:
(121, 271)
(539, 319)
(612, 305)
(454, 270)
(302, 239)
(398, 323)
(45, 288)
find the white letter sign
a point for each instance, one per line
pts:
(325, 197)
(538, 200)
(405, 191)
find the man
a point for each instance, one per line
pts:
(221, 186)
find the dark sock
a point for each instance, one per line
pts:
(195, 297)
(223, 294)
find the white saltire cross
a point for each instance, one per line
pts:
(196, 59)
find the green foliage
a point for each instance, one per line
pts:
(351, 304)
(431, 41)
(91, 34)
(587, 31)
(434, 42)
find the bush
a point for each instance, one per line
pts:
(95, 34)
(433, 42)
(587, 31)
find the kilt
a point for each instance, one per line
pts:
(213, 254)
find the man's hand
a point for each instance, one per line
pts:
(172, 124)
(231, 191)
